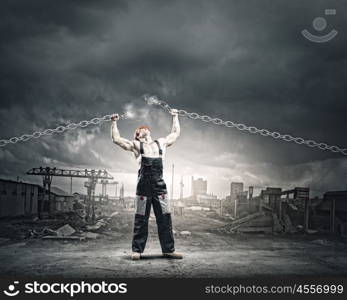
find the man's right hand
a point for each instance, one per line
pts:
(115, 117)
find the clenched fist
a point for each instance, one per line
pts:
(115, 117)
(174, 112)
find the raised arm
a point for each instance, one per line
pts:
(175, 131)
(116, 138)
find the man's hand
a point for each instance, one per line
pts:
(174, 112)
(115, 135)
(175, 131)
(115, 117)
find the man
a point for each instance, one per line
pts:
(151, 188)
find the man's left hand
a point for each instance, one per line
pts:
(174, 112)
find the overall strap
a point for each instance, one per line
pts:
(141, 147)
(160, 150)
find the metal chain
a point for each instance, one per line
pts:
(59, 129)
(153, 100)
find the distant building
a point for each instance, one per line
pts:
(236, 188)
(331, 212)
(250, 192)
(199, 186)
(270, 191)
(18, 198)
(61, 200)
(24, 199)
(207, 200)
(271, 195)
(79, 203)
(79, 198)
(242, 197)
(340, 198)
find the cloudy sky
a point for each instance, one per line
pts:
(245, 61)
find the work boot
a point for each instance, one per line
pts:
(173, 255)
(135, 256)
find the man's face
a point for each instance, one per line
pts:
(143, 133)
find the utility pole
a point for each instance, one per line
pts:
(70, 185)
(121, 195)
(181, 191)
(172, 183)
(235, 208)
(115, 194)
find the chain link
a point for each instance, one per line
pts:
(263, 132)
(251, 129)
(59, 129)
(153, 100)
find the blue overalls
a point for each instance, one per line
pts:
(151, 190)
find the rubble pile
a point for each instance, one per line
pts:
(265, 221)
(23, 228)
(68, 226)
(185, 233)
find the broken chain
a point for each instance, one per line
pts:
(153, 100)
(59, 129)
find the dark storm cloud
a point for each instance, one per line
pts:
(38, 17)
(244, 61)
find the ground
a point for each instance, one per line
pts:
(207, 253)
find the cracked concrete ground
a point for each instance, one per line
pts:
(206, 254)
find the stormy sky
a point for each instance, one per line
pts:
(245, 61)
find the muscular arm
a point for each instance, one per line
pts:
(118, 140)
(175, 131)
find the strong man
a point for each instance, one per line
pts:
(151, 188)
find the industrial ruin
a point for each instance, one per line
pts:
(35, 216)
(273, 210)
